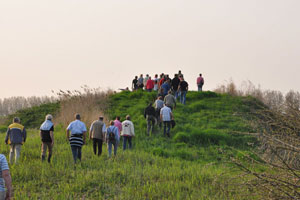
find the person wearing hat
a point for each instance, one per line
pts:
(15, 137)
(77, 138)
(97, 134)
(47, 137)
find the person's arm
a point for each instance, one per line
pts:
(171, 115)
(52, 137)
(68, 134)
(7, 178)
(132, 129)
(91, 130)
(7, 136)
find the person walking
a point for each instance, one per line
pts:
(149, 84)
(134, 85)
(118, 124)
(183, 88)
(140, 82)
(159, 104)
(149, 115)
(5, 179)
(15, 137)
(112, 138)
(97, 134)
(170, 100)
(200, 82)
(166, 116)
(175, 84)
(47, 137)
(145, 81)
(77, 138)
(166, 87)
(127, 132)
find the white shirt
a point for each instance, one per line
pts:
(166, 113)
(127, 128)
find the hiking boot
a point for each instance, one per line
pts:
(49, 158)
(43, 158)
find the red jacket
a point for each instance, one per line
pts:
(150, 84)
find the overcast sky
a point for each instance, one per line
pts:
(64, 44)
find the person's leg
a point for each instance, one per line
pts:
(124, 142)
(99, 147)
(181, 97)
(184, 97)
(148, 125)
(44, 150)
(165, 126)
(153, 123)
(109, 147)
(95, 145)
(169, 127)
(79, 152)
(129, 142)
(17, 152)
(199, 88)
(74, 153)
(11, 153)
(115, 148)
(49, 151)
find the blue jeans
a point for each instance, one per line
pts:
(109, 147)
(200, 87)
(167, 124)
(176, 94)
(125, 139)
(182, 97)
(76, 151)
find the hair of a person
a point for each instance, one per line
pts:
(101, 118)
(49, 117)
(160, 97)
(77, 116)
(200, 74)
(136, 77)
(169, 92)
(128, 117)
(16, 120)
(111, 122)
(118, 118)
(150, 104)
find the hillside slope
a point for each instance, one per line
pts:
(185, 166)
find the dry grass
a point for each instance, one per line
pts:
(90, 104)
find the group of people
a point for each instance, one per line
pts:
(163, 84)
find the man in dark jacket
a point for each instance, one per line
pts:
(149, 114)
(175, 84)
(15, 137)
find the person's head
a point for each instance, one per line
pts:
(16, 120)
(141, 75)
(77, 116)
(111, 122)
(49, 117)
(147, 75)
(169, 92)
(200, 74)
(160, 97)
(156, 76)
(136, 77)
(175, 75)
(101, 118)
(128, 117)
(118, 118)
(179, 72)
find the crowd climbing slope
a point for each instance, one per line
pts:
(185, 166)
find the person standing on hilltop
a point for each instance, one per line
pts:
(127, 132)
(140, 82)
(47, 137)
(134, 85)
(175, 84)
(149, 85)
(145, 81)
(97, 134)
(149, 115)
(200, 82)
(77, 138)
(166, 116)
(112, 138)
(183, 88)
(15, 137)
(5, 179)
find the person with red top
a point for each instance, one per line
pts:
(118, 124)
(162, 80)
(200, 82)
(149, 84)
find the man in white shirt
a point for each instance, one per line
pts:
(166, 116)
(127, 132)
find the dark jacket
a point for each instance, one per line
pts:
(149, 110)
(16, 134)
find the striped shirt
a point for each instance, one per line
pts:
(77, 129)
(3, 166)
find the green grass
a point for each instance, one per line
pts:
(185, 166)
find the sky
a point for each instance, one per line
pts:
(65, 44)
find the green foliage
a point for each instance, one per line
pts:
(3, 129)
(34, 116)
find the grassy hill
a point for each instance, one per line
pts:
(189, 165)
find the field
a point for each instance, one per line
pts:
(193, 164)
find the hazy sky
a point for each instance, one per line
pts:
(64, 44)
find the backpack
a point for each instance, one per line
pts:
(111, 135)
